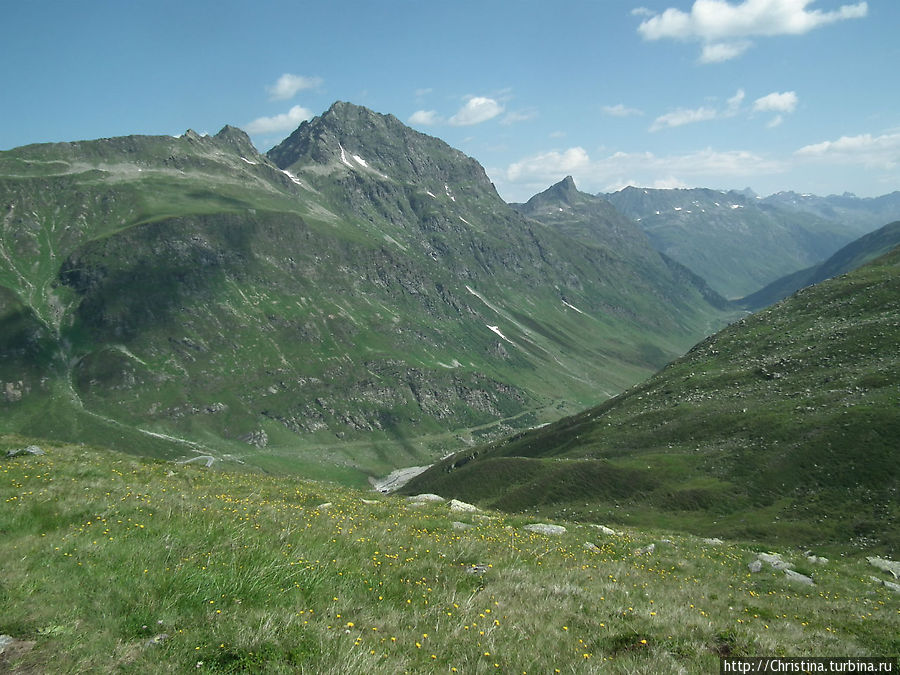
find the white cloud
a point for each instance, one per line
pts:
(683, 116)
(874, 151)
(477, 109)
(621, 110)
(283, 122)
(734, 103)
(723, 28)
(553, 164)
(518, 116)
(288, 85)
(785, 102)
(716, 52)
(522, 179)
(423, 92)
(425, 118)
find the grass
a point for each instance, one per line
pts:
(781, 427)
(118, 564)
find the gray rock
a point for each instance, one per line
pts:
(457, 506)
(461, 526)
(30, 450)
(816, 560)
(774, 561)
(427, 497)
(5, 641)
(593, 548)
(607, 530)
(714, 541)
(799, 578)
(646, 550)
(885, 565)
(887, 584)
(545, 528)
(477, 568)
(755, 566)
(323, 507)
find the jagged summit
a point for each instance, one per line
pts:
(349, 137)
(236, 138)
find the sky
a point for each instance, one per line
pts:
(774, 95)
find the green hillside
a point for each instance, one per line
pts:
(782, 427)
(856, 253)
(736, 242)
(357, 300)
(117, 564)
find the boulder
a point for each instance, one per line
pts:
(30, 450)
(607, 530)
(890, 585)
(460, 526)
(457, 506)
(774, 561)
(885, 565)
(755, 566)
(426, 497)
(799, 578)
(545, 528)
(593, 548)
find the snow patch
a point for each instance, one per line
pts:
(344, 159)
(291, 176)
(678, 208)
(465, 221)
(496, 329)
(573, 307)
(737, 206)
(430, 194)
(248, 161)
(361, 160)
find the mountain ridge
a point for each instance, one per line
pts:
(356, 300)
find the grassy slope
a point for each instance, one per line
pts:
(853, 255)
(781, 427)
(246, 573)
(735, 243)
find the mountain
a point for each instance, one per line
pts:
(862, 214)
(783, 426)
(735, 241)
(357, 299)
(596, 222)
(859, 252)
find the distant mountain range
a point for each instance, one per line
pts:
(357, 299)
(782, 426)
(738, 242)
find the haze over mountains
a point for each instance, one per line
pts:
(360, 299)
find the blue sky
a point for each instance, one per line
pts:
(772, 94)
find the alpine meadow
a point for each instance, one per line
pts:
(502, 367)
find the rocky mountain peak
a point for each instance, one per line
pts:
(349, 137)
(236, 139)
